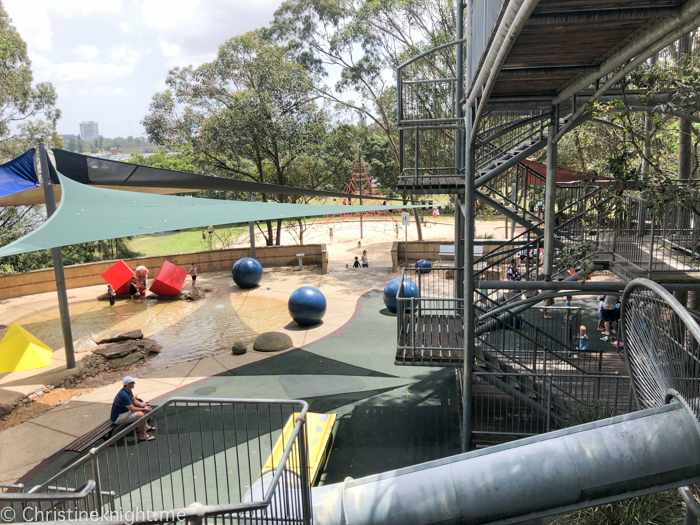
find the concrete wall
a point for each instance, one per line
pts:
(429, 250)
(77, 276)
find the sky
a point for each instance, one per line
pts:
(107, 58)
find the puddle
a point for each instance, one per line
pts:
(262, 314)
(186, 330)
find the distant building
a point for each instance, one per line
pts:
(113, 151)
(68, 136)
(89, 131)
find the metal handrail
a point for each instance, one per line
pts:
(197, 509)
(692, 505)
(65, 495)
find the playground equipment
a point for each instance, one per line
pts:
(318, 434)
(119, 275)
(307, 305)
(169, 280)
(390, 290)
(247, 272)
(20, 350)
(423, 266)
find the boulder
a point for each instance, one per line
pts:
(5, 408)
(150, 346)
(272, 342)
(116, 350)
(127, 360)
(115, 337)
(239, 348)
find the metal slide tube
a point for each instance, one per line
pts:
(588, 465)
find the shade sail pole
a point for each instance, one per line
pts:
(251, 229)
(57, 263)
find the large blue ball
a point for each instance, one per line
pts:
(307, 306)
(390, 290)
(247, 272)
(423, 266)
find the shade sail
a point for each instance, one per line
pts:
(113, 174)
(18, 175)
(88, 214)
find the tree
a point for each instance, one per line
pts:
(27, 112)
(253, 113)
(367, 40)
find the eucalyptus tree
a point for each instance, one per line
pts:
(252, 113)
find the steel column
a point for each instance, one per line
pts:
(550, 196)
(57, 263)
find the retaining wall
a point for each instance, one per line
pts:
(80, 275)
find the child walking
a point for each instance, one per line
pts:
(112, 294)
(142, 291)
(193, 274)
(356, 264)
(582, 340)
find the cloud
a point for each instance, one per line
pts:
(178, 25)
(81, 71)
(32, 18)
(103, 91)
(85, 52)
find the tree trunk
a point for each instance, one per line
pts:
(279, 233)
(270, 234)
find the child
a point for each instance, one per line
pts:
(142, 291)
(112, 294)
(132, 288)
(567, 311)
(600, 313)
(356, 264)
(193, 274)
(582, 340)
(204, 235)
(365, 260)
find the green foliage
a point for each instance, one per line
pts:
(100, 144)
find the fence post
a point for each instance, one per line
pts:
(549, 399)
(304, 473)
(96, 476)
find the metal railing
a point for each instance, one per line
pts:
(430, 128)
(670, 243)
(534, 404)
(209, 451)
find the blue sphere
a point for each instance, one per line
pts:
(390, 290)
(424, 266)
(247, 272)
(307, 306)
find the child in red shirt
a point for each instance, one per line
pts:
(142, 292)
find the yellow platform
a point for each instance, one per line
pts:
(20, 350)
(318, 429)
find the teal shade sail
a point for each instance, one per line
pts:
(88, 214)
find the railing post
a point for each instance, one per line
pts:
(94, 463)
(549, 399)
(304, 474)
(413, 325)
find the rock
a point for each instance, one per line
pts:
(5, 408)
(47, 390)
(84, 344)
(33, 397)
(239, 348)
(39, 394)
(272, 342)
(150, 346)
(61, 382)
(194, 295)
(115, 337)
(116, 350)
(128, 360)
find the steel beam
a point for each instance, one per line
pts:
(550, 196)
(609, 15)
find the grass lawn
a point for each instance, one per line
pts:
(185, 241)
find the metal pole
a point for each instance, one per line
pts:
(57, 263)
(469, 197)
(405, 229)
(359, 167)
(251, 229)
(550, 196)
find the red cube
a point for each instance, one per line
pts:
(168, 280)
(119, 276)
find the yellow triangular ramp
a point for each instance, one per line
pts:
(20, 350)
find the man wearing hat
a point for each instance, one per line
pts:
(127, 408)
